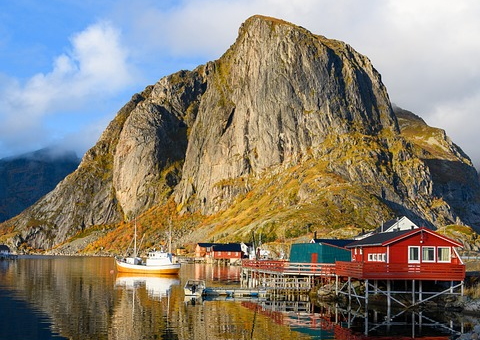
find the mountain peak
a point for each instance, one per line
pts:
(286, 131)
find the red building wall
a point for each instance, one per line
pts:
(398, 251)
(227, 254)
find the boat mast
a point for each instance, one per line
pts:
(170, 236)
(135, 240)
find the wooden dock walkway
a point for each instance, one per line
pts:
(237, 292)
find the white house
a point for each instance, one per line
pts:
(398, 224)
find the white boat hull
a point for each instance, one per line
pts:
(194, 288)
(165, 269)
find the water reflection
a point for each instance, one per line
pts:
(83, 298)
(156, 286)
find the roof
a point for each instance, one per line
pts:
(206, 245)
(377, 239)
(227, 247)
(383, 239)
(333, 242)
(4, 248)
(397, 224)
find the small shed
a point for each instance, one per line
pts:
(320, 251)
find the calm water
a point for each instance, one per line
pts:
(83, 298)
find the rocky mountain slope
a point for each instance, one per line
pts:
(26, 178)
(287, 133)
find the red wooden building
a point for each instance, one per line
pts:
(417, 259)
(417, 254)
(204, 249)
(232, 251)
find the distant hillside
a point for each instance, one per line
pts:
(287, 133)
(26, 178)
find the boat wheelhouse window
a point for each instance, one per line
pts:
(443, 254)
(428, 254)
(413, 254)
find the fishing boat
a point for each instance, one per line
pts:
(157, 262)
(194, 287)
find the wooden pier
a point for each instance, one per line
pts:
(286, 280)
(237, 292)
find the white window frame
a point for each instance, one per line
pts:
(449, 255)
(409, 252)
(434, 254)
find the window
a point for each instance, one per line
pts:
(443, 254)
(413, 254)
(428, 254)
(382, 257)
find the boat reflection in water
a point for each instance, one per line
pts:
(156, 286)
(335, 322)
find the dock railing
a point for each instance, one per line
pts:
(291, 268)
(401, 271)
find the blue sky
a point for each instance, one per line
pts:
(67, 67)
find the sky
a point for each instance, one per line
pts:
(68, 66)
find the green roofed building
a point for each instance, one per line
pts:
(320, 251)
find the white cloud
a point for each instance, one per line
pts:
(96, 67)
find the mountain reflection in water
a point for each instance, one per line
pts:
(83, 298)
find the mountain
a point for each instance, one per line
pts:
(285, 134)
(26, 178)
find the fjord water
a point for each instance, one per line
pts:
(84, 298)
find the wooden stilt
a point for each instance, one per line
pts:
(389, 301)
(413, 292)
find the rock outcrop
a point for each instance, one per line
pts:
(287, 131)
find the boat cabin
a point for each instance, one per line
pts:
(418, 253)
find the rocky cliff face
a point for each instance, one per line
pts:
(273, 97)
(291, 130)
